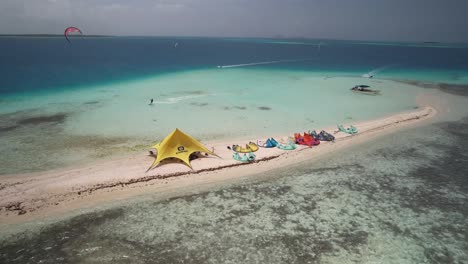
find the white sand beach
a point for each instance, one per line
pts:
(36, 195)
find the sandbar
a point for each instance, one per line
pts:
(27, 197)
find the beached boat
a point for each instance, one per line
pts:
(364, 89)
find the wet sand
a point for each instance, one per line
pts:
(34, 196)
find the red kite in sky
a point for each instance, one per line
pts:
(69, 30)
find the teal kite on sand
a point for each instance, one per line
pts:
(351, 130)
(291, 146)
(245, 158)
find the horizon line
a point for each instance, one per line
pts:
(233, 37)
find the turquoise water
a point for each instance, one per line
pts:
(396, 199)
(42, 65)
(234, 102)
(64, 104)
(208, 104)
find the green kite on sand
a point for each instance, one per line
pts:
(245, 158)
(351, 130)
(290, 146)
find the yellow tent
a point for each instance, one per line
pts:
(178, 145)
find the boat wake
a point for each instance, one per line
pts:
(174, 100)
(375, 71)
(257, 63)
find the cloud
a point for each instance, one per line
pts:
(357, 19)
(51, 10)
(167, 4)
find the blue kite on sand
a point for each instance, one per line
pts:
(269, 143)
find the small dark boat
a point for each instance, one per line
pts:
(364, 89)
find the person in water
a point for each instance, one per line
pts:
(151, 102)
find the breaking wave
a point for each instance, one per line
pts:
(174, 100)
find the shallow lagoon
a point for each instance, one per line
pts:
(406, 206)
(74, 126)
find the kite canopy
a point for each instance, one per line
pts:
(178, 145)
(69, 30)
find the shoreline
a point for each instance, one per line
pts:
(51, 193)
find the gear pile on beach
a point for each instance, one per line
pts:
(182, 147)
(312, 138)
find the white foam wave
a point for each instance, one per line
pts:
(174, 100)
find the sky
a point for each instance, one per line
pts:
(379, 20)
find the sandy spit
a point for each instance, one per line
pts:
(34, 196)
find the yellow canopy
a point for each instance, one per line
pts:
(178, 145)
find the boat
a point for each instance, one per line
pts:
(244, 158)
(251, 147)
(364, 89)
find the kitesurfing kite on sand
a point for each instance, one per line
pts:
(69, 30)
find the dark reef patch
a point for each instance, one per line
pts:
(240, 107)
(23, 119)
(8, 128)
(49, 246)
(38, 120)
(264, 108)
(91, 102)
(44, 154)
(194, 92)
(352, 240)
(439, 256)
(235, 107)
(198, 104)
(448, 172)
(457, 89)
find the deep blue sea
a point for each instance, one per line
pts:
(41, 64)
(83, 100)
